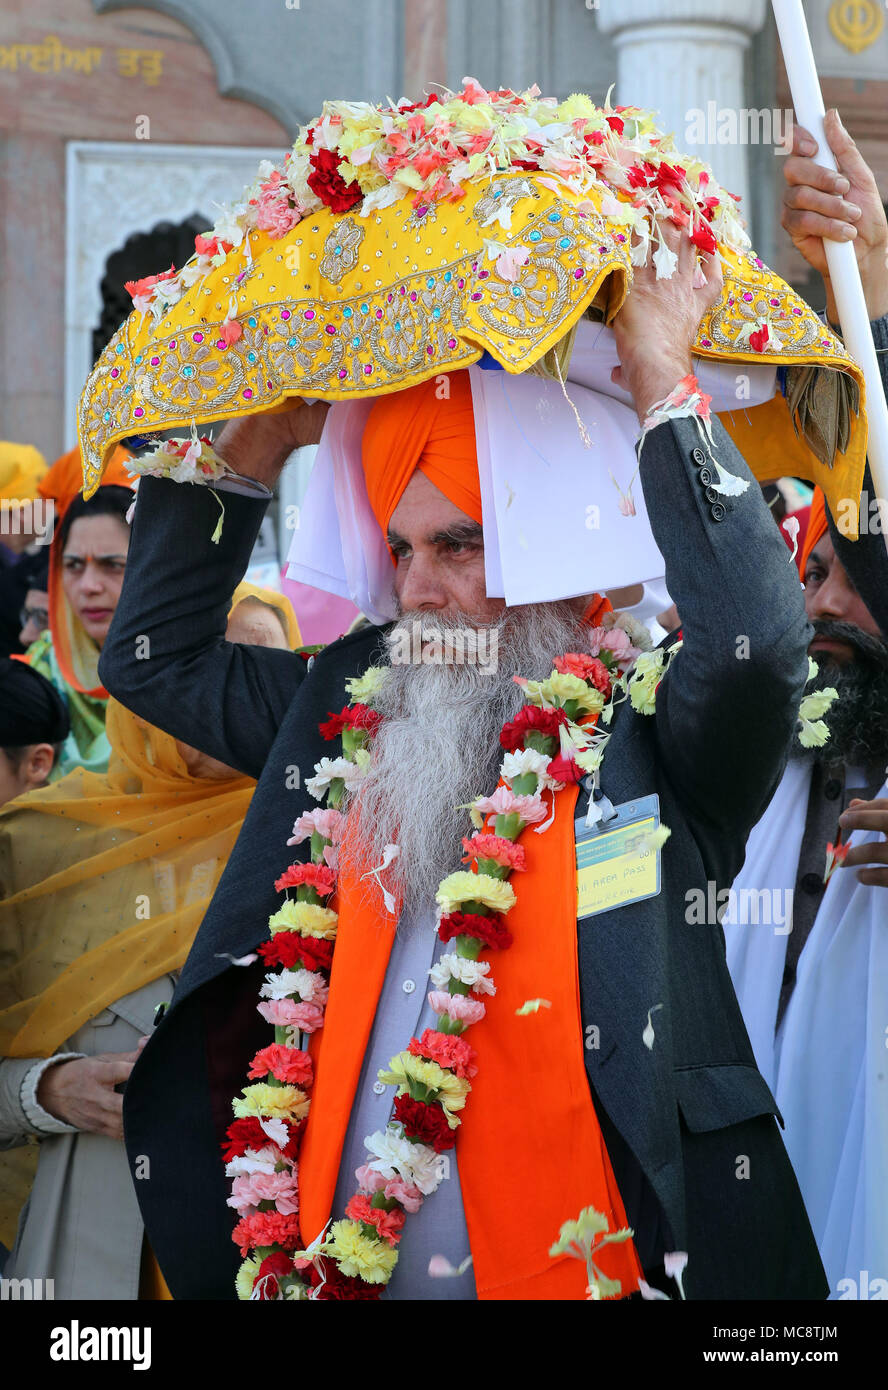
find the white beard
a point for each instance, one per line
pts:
(438, 745)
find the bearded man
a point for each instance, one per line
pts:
(640, 1081)
(813, 990)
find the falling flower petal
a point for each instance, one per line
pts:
(647, 1036)
(236, 960)
(675, 1264)
(651, 1294)
(441, 1268)
(533, 1006)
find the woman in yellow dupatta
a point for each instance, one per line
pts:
(104, 881)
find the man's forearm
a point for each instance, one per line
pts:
(166, 657)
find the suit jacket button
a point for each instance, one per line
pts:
(711, 495)
(832, 789)
(698, 456)
(718, 511)
(705, 476)
(812, 883)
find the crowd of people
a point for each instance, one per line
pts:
(144, 803)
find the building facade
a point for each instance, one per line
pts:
(122, 125)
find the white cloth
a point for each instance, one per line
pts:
(552, 521)
(828, 1068)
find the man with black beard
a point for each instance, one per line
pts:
(809, 976)
(641, 1085)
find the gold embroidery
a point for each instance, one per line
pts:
(340, 250)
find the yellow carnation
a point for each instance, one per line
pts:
(361, 689)
(243, 1281)
(360, 1256)
(463, 887)
(559, 688)
(308, 918)
(272, 1102)
(450, 1090)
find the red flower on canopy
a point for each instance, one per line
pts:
(702, 236)
(140, 287)
(758, 340)
(326, 181)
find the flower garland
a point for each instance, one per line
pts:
(555, 739)
(364, 156)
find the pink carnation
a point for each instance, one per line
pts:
(273, 211)
(369, 1179)
(613, 640)
(249, 1189)
(267, 1228)
(286, 1064)
(409, 1196)
(326, 821)
(448, 1050)
(286, 1013)
(504, 852)
(504, 801)
(458, 1006)
(388, 1223)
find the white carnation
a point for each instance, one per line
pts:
(285, 983)
(394, 1156)
(468, 972)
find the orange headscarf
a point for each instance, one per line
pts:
(65, 478)
(816, 528)
(419, 428)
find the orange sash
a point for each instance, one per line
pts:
(531, 1152)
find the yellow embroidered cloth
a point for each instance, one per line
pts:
(345, 306)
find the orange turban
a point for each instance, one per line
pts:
(816, 529)
(414, 429)
(65, 478)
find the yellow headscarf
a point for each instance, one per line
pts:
(21, 469)
(105, 877)
(104, 880)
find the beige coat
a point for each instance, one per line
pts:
(81, 1226)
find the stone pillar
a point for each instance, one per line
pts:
(680, 58)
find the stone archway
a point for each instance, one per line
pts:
(116, 191)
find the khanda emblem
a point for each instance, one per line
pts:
(856, 23)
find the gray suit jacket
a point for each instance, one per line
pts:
(690, 1124)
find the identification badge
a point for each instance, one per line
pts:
(615, 865)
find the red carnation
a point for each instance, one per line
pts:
(326, 181)
(290, 949)
(528, 720)
(327, 1278)
(702, 237)
(248, 1134)
(668, 176)
(637, 176)
(758, 340)
(275, 1266)
(564, 769)
(351, 717)
(287, 1064)
(316, 876)
(596, 137)
(491, 930)
(615, 123)
(427, 1123)
(267, 1228)
(141, 287)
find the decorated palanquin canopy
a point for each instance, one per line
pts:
(398, 242)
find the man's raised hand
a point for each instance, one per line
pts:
(658, 323)
(258, 446)
(846, 206)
